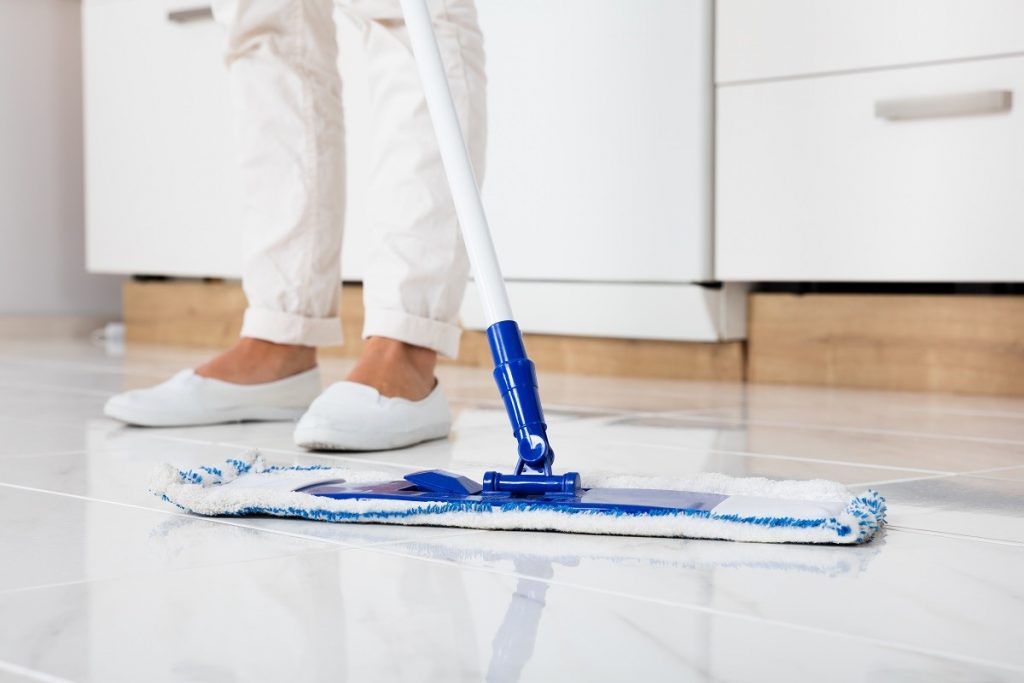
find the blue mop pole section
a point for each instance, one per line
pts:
(517, 383)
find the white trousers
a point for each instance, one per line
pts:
(286, 93)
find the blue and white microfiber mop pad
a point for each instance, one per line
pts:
(729, 508)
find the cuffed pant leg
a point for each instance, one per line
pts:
(286, 94)
(418, 271)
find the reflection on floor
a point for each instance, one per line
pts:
(100, 581)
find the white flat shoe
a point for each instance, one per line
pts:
(188, 399)
(355, 417)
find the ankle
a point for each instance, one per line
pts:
(256, 361)
(418, 358)
(395, 368)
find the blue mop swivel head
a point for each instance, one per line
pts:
(517, 382)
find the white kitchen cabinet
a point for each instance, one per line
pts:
(159, 180)
(884, 172)
(598, 173)
(758, 40)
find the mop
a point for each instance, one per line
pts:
(532, 497)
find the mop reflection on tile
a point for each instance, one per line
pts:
(514, 640)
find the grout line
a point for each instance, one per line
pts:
(144, 573)
(1016, 480)
(455, 533)
(132, 506)
(701, 415)
(67, 424)
(906, 480)
(324, 546)
(1001, 468)
(970, 412)
(226, 522)
(968, 473)
(949, 534)
(775, 456)
(980, 473)
(157, 572)
(43, 454)
(284, 451)
(840, 428)
(55, 388)
(797, 402)
(79, 582)
(74, 366)
(33, 674)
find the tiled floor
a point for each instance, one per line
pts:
(100, 581)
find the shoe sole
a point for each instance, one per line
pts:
(163, 419)
(335, 440)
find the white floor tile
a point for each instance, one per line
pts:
(52, 539)
(913, 590)
(972, 506)
(357, 615)
(101, 581)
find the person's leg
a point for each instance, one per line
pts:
(286, 96)
(417, 276)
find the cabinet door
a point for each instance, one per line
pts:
(846, 178)
(599, 150)
(160, 183)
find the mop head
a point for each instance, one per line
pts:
(746, 509)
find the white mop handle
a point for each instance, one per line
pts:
(457, 165)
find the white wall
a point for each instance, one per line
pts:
(42, 236)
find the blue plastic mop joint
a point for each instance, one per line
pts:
(517, 382)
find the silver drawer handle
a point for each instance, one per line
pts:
(960, 104)
(183, 16)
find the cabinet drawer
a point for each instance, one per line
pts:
(758, 39)
(815, 183)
